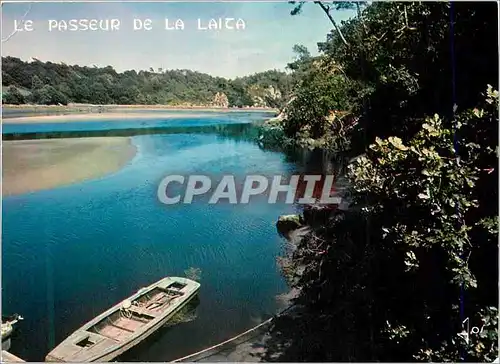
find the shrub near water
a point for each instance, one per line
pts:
(387, 281)
(425, 195)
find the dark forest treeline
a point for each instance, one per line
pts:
(57, 83)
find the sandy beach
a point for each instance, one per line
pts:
(32, 165)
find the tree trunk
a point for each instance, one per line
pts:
(326, 9)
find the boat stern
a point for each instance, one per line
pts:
(81, 347)
(52, 358)
(180, 283)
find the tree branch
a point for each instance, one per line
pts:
(326, 9)
(406, 20)
(21, 23)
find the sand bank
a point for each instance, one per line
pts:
(109, 116)
(112, 116)
(32, 165)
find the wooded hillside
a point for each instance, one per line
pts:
(57, 83)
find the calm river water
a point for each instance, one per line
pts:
(70, 253)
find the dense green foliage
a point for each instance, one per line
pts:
(52, 83)
(309, 114)
(383, 281)
(398, 59)
(394, 277)
(13, 96)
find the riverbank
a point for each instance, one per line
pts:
(248, 346)
(107, 116)
(187, 108)
(12, 112)
(33, 165)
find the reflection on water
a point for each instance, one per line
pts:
(235, 130)
(127, 127)
(70, 253)
(186, 315)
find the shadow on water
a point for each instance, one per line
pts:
(317, 161)
(187, 314)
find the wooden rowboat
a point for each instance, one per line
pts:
(127, 323)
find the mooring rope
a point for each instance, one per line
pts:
(185, 358)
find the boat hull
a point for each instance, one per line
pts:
(142, 337)
(112, 351)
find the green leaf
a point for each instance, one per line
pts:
(478, 113)
(397, 143)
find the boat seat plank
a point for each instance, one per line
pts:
(113, 332)
(129, 324)
(143, 311)
(120, 327)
